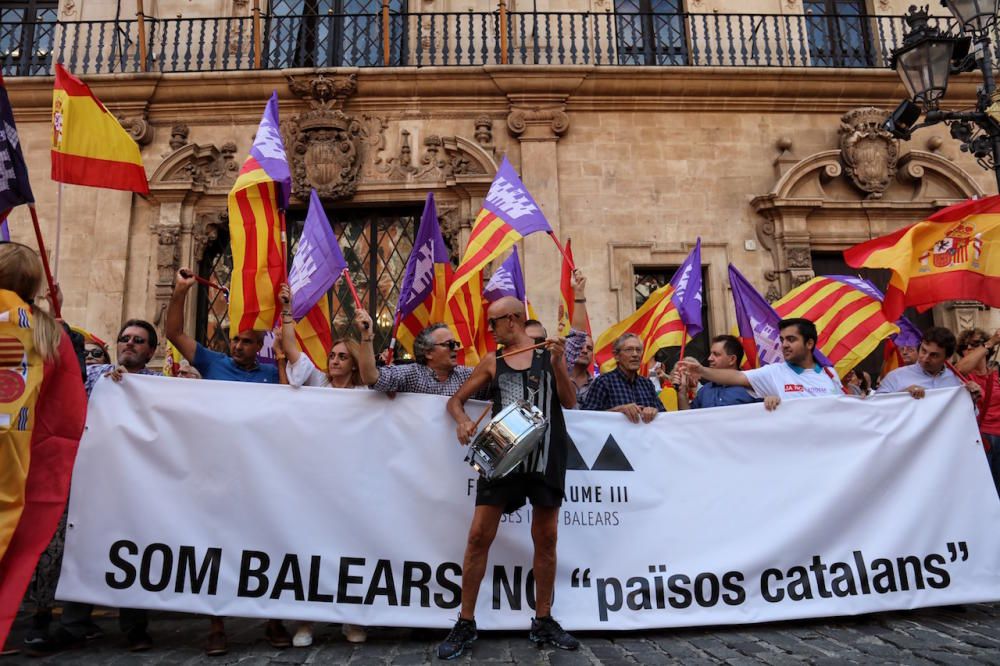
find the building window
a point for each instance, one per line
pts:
(376, 244)
(838, 33)
(331, 33)
(648, 280)
(650, 32)
(27, 31)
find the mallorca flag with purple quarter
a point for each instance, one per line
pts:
(424, 292)
(669, 314)
(509, 214)
(848, 315)
(14, 186)
(757, 323)
(257, 206)
(953, 254)
(908, 336)
(317, 265)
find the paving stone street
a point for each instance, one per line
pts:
(951, 635)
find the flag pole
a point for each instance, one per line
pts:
(354, 292)
(562, 250)
(684, 341)
(392, 341)
(56, 309)
(59, 191)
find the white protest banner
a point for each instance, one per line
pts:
(334, 505)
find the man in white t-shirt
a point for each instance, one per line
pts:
(800, 376)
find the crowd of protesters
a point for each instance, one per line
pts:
(353, 364)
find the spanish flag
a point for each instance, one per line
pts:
(509, 214)
(48, 405)
(953, 254)
(257, 228)
(89, 145)
(848, 315)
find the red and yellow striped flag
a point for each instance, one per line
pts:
(848, 315)
(509, 214)
(465, 316)
(315, 334)
(566, 292)
(257, 228)
(89, 145)
(657, 323)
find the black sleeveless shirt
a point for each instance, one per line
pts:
(509, 385)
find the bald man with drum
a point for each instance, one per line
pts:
(539, 377)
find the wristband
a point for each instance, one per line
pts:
(579, 300)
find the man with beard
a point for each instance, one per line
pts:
(539, 377)
(800, 376)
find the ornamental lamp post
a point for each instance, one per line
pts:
(924, 62)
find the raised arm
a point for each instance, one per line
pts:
(579, 284)
(968, 363)
(478, 380)
(564, 386)
(288, 342)
(174, 326)
(366, 363)
(696, 371)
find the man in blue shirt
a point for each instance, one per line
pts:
(624, 389)
(726, 353)
(240, 366)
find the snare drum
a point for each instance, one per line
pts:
(507, 440)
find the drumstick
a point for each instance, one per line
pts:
(522, 349)
(201, 280)
(483, 415)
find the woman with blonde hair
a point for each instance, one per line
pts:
(350, 365)
(21, 273)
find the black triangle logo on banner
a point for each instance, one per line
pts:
(612, 458)
(573, 458)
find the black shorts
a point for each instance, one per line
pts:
(512, 491)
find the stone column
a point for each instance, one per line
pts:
(538, 121)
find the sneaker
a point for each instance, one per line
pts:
(547, 630)
(217, 644)
(39, 632)
(58, 640)
(303, 635)
(461, 636)
(92, 632)
(354, 633)
(138, 640)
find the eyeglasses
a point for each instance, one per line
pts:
(94, 353)
(630, 350)
(137, 339)
(453, 345)
(492, 321)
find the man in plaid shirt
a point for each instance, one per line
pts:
(436, 370)
(624, 389)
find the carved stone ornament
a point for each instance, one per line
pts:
(546, 123)
(442, 158)
(197, 168)
(868, 151)
(219, 171)
(324, 92)
(324, 144)
(178, 136)
(484, 131)
(167, 253)
(206, 230)
(799, 257)
(138, 128)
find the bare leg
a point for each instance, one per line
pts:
(544, 530)
(485, 522)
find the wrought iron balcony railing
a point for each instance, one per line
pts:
(451, 39)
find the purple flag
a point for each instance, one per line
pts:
(757, 321)
(318, 261)
(687, 291)
(4, 231)
(14, 186)
(908, 336)
(510, 201)
(269, 150)
(428, 250)
(508, 280)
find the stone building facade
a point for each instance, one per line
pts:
(754, 125)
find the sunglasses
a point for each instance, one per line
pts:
(492, 321)
(453, 345)
(972, 344)
(137, 339)
(94, 353)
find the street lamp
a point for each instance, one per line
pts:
(924, 62)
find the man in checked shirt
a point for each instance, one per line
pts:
(436, 370)
(624, 389)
